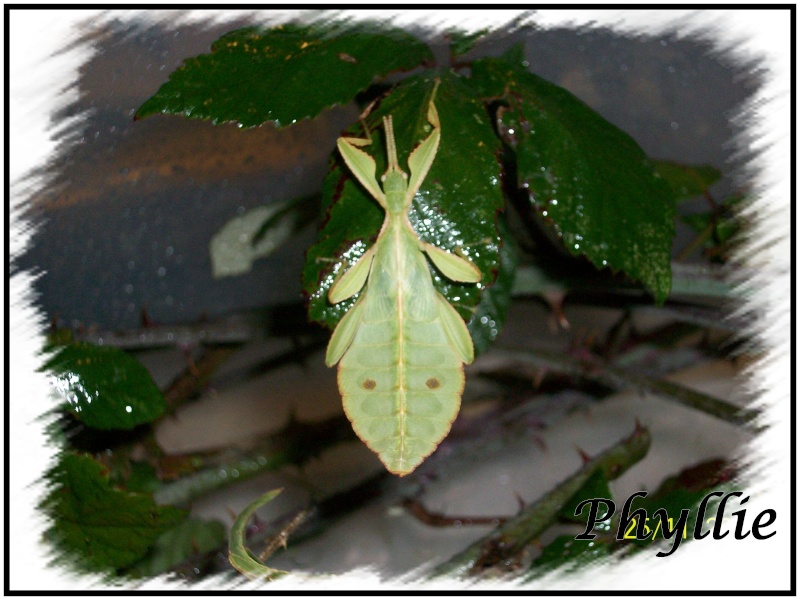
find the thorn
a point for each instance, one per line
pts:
(186, 350)
(231, 513)
(146, 321)
(520, 502)
(539, 441)
(538, 377)
(555, 298)
(639, 428)
(582, 453)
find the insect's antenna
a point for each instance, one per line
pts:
(391, 149)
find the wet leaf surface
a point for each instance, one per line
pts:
(586, 178)
(104, 387)
(284, 74)
(566, 550)
(490, 314)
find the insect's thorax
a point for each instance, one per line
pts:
(399, 266)
(395, 188)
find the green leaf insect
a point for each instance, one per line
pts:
(401, 347)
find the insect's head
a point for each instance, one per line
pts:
(394, 180)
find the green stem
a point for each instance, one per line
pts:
(295, 444)
(511, 537)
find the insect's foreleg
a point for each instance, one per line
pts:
(367, 139)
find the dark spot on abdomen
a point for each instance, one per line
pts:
(432, 383)
(368, 384)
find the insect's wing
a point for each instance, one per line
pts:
(453, 266)
(353, 279)
(362, 166)
(456, 330)
(422, 157)
(344, 333)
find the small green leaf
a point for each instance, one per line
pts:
(686, 181)
(99, 526)
(284, 74)
(240, 557)
(189, 539)
(587, 179)
(104, 387)
(253, 235)
(725, 223)
(462, 42)
(302, 210)
(454, 208)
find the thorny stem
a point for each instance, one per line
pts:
(193, 380)
(620, 378)
(434, 519)
(279, 539)
(510, 538)
(295, 444)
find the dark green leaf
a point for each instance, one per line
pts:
(686, 181)
(455, 207)
(100, 527)
(491, 312)
(565, 549)
(587, 178)
(105, 387)
(190, 539)
(284, 74)
(142, 479)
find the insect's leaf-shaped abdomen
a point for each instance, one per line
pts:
(401, 380)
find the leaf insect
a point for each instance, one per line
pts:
(401, 347)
